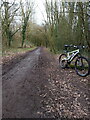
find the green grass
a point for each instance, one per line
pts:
(10, 51)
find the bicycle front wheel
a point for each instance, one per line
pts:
(63, 61)
(82, 66)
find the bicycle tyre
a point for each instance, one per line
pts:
(61, 62)
(81, 68)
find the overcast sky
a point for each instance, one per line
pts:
(39, 10)
(40, 15)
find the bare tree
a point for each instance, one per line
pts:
(26, 11)
(8, 14)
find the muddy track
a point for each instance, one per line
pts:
(10, 63)
(35, 87)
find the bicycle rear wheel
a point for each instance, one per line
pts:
(82, 66)
(63, 61)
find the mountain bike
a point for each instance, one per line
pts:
(82, 64)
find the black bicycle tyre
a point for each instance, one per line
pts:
(60, 61)
(88, 71)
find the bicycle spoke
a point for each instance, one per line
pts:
(82, 66)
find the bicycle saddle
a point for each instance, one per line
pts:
(66, 45)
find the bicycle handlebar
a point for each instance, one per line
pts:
(74, 46)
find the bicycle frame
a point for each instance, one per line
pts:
(71, 55)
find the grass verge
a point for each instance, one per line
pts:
(12, 51)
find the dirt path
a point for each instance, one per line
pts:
(35, 87)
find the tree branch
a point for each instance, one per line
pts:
(16, 31)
